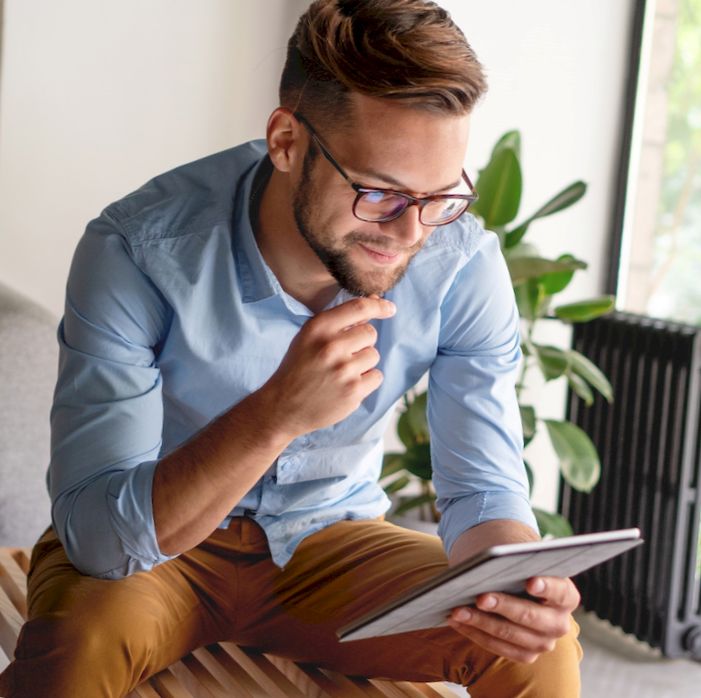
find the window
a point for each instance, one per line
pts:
(659, 271)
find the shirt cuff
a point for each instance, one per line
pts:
(459, 515)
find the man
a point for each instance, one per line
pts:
(236, 334)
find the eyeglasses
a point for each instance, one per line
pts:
(382, 205)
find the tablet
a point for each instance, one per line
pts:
(503, 568)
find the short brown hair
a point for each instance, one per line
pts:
(407, 50)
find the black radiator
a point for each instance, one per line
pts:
(648, 441)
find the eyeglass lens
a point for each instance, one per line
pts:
(381, 206)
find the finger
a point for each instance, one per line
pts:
(495, 645)
(370, 381)
(557, 592)
(353, 312)
(540, 618)
(363, 360)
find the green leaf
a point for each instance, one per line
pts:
(553, 361)
(416, 414)
(579, 461)
(554, 283)
(583, 311)
(568, 196)
(591, 373)
(530, 299)
(499, 187)
(392, 463)
(512, 238)
(510, 140)
(523, 268)
(552, 524)
(417, 460)
(581, 387)
(404, 430)
(413, 502)
(396, 485)
(527, 420)
(529, 475)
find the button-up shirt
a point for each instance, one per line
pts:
(172, 317)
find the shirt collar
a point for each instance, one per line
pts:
(257, 280)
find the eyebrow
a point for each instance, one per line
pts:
(400, 185)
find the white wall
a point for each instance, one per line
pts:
(96, 97)
(556, 72)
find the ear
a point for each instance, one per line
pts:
(286, 140)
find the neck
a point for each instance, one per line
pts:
(295, 265)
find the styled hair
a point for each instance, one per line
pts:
(407, 50)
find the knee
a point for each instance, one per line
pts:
(553, 674)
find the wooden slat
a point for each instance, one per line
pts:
(10, 624)
(13, 581)
(168, 686)
(231, 677)
(145, 690)
(263, 671)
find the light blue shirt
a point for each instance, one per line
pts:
(172, 317)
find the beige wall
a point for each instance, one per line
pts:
(97, 96)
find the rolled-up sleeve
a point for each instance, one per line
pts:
(107, 415)
(473, 414)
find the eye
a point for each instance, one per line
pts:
(375, 197)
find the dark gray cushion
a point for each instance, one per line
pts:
(28, 363)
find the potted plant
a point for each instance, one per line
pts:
(536, 281)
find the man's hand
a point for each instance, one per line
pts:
(329, 368)
(517, 628)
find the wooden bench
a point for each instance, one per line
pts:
(217, 671)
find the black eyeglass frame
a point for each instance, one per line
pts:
(360, 190)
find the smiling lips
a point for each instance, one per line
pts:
(380, 257)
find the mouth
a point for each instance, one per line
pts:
(378, 256)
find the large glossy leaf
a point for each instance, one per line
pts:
(529, 475)
(417, 460)
(527, 420)
(416, 414)
(552, 524)
(499, 187)
(413, 502)
(530, 298)
(579, 461)
(523, 268)
(581, 388)
(583, 311)
(554, 283)
(396, 485)
(510, 140)
(404, 430)
(564, 199)
(553, 361)
(391, 463)
(591, 373)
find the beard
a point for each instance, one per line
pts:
(336, 255)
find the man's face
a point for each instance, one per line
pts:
(386, 146)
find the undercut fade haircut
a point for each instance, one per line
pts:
(408, 50)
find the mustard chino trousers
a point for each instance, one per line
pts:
(89, 638)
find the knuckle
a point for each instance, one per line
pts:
(527, 616)
(371, 332)
(563, 628)
(505, 632)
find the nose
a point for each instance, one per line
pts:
(407, 230)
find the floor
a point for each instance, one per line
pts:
(617, 665)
